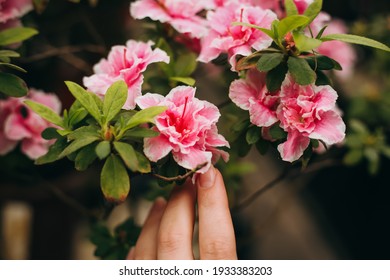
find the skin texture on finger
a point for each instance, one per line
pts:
(216, 232)
(177, 224)
(146, 246)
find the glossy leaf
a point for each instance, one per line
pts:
(185, 80)
(85, 157)
(86, 100)
(275, 77)
(13, 66)
(45, 112)
(103, 149)
(115, 182)
(269, 61)
(114, 99)
(83, 132)
(301, 71)
(128, 155)
(304, 43)
(145, 116)
(185, 65)
(277, 132)
(354, 39)
(313, 10)
(12, 85)
(16, 35)
(54, 151)
(141, 132)
(8, 53)
(77, 144)
(291, 23)
(291, 8)
(143, 163)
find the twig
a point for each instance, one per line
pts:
(180, 177)
(64, 51)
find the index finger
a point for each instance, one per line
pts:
(216, 232)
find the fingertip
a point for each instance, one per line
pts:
(207, 180)
(130, 255)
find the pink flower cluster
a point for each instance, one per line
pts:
(11, 11)
(187, 129)
(304, 112)
(125, 63)
(217, 34)
(20, 124)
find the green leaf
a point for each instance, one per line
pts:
(354, 39)
(50, 133)
(304, 43)
(185, 80)
(143, 163)
(77, 116)
(54, 151)
(145, 116)
(45, 112)
(277, 132)
(83, 132)
(275, 77)
(322, 79)
(269, 61)
(115, 182)
(85, 157)
(141, 132)
(301, 71)
(12, 85)
(114, 100)
(76, 145)
(291, 8)
(16, 35)
(128, 155)
(185, 65)
(103, 149)
(321, 62)
(252, 135)
(13, 66)
(269, 32)
(373, 158)
(291, 23)
(40, 5)
(8, 53)
(313, 10)
(86, 99)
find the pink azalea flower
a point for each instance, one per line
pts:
(20, 124)
(251, 94)
(180, 14)
(187, 129)
(12, 9)
(235, 40)
(308, 112)
(125, 63)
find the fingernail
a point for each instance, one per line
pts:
(207, 179)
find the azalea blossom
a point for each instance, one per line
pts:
(308, 112)
(125, 63)
(223, 37)
(187, 129)
(180, 14)
(19, 124)
(13, 9)
(252, 94)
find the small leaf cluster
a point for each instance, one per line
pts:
(294, 52)
(114, 245)
(10, 84)
(95, 129)
(363, 144)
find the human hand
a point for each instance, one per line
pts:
(168, 229)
